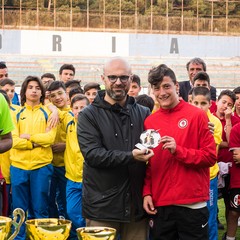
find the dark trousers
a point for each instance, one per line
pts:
(176, 222)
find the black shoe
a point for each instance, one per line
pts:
(220, 225)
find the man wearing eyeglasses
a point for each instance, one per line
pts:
(113, 173)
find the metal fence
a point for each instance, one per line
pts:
(122, 21)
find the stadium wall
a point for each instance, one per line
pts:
(32, 52)
(56, 43)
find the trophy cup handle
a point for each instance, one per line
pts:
(18, 214)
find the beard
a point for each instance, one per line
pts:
(117, 95)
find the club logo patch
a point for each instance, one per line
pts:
(182, 123)
(237, 200)
(151, 223)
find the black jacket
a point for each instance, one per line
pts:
(185, 88)
(112, 179)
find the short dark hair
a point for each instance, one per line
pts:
(203, 76)
(67, 67)
(5, 96)
(203, 91)
(91, 85)
(145, 100)
(236, 90)
(56, 85)
(79, 97)
(136, 79)
(157, 74)
(24, 88)
(199, 61)
(74, 91)
(6, 81)
(48, 75)
(3, 65)
(73, 83)
(228, 93)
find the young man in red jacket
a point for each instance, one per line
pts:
(176, 185)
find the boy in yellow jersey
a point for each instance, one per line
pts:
(8, 86)
(74, 165)
(201, 98)
(57, 200)
(31, 156)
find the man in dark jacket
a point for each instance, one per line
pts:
(113, 172)
(194, 66)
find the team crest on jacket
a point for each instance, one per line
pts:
(236, 201)
(182, 123)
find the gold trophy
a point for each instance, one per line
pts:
(96, 233)
(48, 228)
(6, 223)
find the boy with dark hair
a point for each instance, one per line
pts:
(58, 97)
(179, 209)
(71, 85)
(90, 90)
(114, 169)
(145, 100)
(8, 86)
(201, 98)
(190, 96)
(66, 72)
(31, 156)
(3, 70)
(234, 208)
(236, 112)
(4, 74)
(47, 79)
(135, 86)
(201, 79)
(225, 104)
(73, 160)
